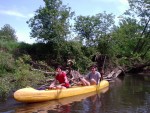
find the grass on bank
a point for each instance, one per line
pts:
(14, 72)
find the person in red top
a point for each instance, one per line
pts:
(61, 78)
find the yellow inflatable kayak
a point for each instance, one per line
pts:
(52, 105)
(32, 95)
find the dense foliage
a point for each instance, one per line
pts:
(14, 71)
(91, 29)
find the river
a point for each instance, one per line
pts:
(130, 94)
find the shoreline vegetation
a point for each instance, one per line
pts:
(17, 72)
(125, 45)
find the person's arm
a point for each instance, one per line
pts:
(52, 84)
(65, 79)
(99, 77)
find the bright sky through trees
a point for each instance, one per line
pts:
(17, 12)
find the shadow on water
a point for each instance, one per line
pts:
(128, 95)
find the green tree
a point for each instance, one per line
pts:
(92, 28)
(51, 23)
(8, 33)
(84, 27)
(125, 36)
(141, 9)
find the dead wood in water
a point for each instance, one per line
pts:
(114, 74)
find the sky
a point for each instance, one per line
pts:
(17, 12)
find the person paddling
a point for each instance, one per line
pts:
(61, 78)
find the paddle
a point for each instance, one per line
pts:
(43, 87)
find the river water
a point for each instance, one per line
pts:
(127, 95)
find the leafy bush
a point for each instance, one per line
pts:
(8, 46)
(4, 88)
(23, 76)
(7, 63)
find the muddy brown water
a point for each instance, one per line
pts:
(130, 94)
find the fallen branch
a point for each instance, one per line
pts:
(114, 74)
(45, 72)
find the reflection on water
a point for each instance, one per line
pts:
(129, 95)
(61, 106)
